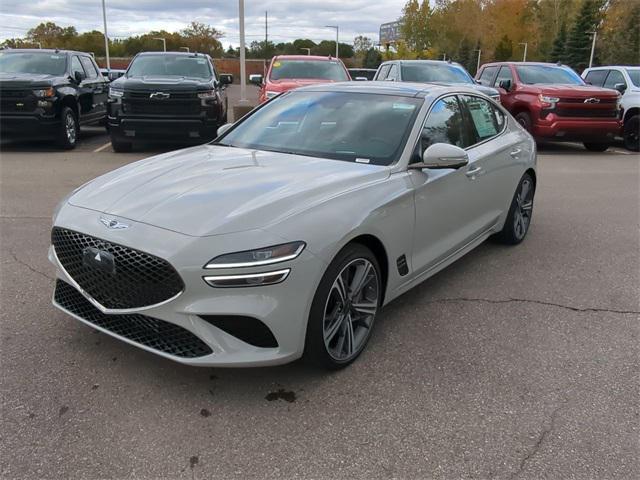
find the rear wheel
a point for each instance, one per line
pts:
(596, 147)
(120, 147)
(632, 133)
(68, 131)
(344, 308)
(518, 219)
(524, 119)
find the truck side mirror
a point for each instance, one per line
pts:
(621, 87)
(505, 84)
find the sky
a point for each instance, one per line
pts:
(288, 20)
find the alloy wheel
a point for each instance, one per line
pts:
(524, 208)
(70, 128)
(350, 309)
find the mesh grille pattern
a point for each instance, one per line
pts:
(150, 332)
(139, 280)
(161, 108)
(586, 112)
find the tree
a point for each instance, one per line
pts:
(372, 59)
(619, 38)
(504, 49)
(50, 35)
(579, 41)
(361, 45)
(558, 51)
(415, 31)
(465, 56)
(200, 37)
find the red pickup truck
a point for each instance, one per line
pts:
(553, 103)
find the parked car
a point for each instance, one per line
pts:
(362, 73)
(167, 96)
(431, 71)
(50, 94)
(626, 80)
(286, 235)
(553, 103)
(112, 74)
(292, 71)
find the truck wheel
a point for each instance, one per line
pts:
(596, 147)
(120, 147)
(632, 133)
(68, 131)
(524, 119)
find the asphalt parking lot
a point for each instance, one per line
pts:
(513, 363)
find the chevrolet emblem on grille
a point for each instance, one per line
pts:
(99, 259)
(592, 100)
(159, 95)
(113, 224)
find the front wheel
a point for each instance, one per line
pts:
(518, 219)
(68, 130)
(344, 308)
(120, 147)
(524, 119)
(632, 133)
(596, 147)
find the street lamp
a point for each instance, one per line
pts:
(106, 37)
(478, 65)
(524, 57)
(243, 66)
(164, 42)
(307, 49)
(593, 47)
(185, 48)
(337, 29)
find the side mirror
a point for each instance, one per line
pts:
(223, 128)
(505, 84)
(226, 78)
(440, 156)
(361, 79)
(621, 87)
(78, 77)
(256, 79)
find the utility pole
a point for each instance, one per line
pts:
(593, 47)
(106, 36)
(164, 43)
(307, 49)
(524, 57)
(478, 65)
(185, 49)
(243, 66)
(266, 33)
(444, 57)
(337, 29)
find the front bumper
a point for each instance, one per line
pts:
(282, 308)
(591, 130)
(28, 125)
(192, 129)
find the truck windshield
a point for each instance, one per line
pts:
(634, 75)
(28, 62)
(354, 127)
(433, 72)
(324, 69)
(170, 66)
(547, 75)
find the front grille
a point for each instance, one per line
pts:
(138, 279)
(172, 95)
(12, 101)
(586, 112)
(148, 331)
(142, 107)
(581, 100)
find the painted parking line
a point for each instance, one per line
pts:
(103, 147)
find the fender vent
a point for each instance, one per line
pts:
(403, 268)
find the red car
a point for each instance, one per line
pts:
(291, 71)
(553, 103)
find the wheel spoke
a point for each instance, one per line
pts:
(527, 206)
(359, 279)
(350, 338)
(341, 288)
(365, 307)
(333, 329)
(524, 192)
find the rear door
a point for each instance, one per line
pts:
(98, 86)
(596, 77)
(383, 71)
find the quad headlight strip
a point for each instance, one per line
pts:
(248, 280)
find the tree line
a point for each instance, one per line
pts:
(553, 31)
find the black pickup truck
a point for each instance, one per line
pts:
(49, 94)
(167, 97)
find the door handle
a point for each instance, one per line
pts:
(516, 152)
(473, 172)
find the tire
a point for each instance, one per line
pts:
(120, 147)
(524, 119)
(632, 133)
(520, 213)
(67, 136)
(334, 338)
(596, 147)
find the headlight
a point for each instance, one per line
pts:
(255, 258)
(44, 93)
(114, 92)
(271, 94)
(548, 102)
(207, 94)
(495, 98)
(251, 280)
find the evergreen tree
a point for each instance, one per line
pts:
(465, 55)
(504, 49)
(578, 47)
(558, 50)
(372, 59)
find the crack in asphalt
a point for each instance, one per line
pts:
(539, 441)
(538, 302)
(33, 269)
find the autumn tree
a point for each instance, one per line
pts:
(504, 49)
(619, 37)
(361, 45)
(415, 27)
(200, 37)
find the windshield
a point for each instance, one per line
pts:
(635, 76)
(329, 70)
(355, 127)
(28, 62)
(547, 74)
(435, 73)
(170, 66)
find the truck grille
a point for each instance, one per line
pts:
(138, 279)
(586, 112)
(164, 107)
(148, 331)
(16, 101)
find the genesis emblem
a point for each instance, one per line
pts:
(113, 224)
(592, 100)
(159, 95)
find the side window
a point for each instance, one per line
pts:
(596, 77)
(613, 78)
(384, 70)
(76, 66)
(486, 120)
(503, 74)
(393, 73)
(445, 124)
(487, 75)
(89, 69)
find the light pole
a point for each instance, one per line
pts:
(478, 64)
(39, 45)
(106, 36)
(243, 66)
(185, 48)
(337, 29)
(307, 49)
(164, 43)
(444, 57)
(593, 47)
(524, 57)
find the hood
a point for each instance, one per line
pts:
(169, 84)
(210, 190)
(27, 80)
(285, 84)
(573, 91)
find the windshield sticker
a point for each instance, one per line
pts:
(362, 160)
(277, 65)
(201, 61)
(403, 106)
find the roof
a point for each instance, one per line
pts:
(604, 67)
(184, 54)
(304, 57)
(43, 50)
(423, 62)
(406, 89)
(509, 62)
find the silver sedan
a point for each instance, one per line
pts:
(285, 236)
